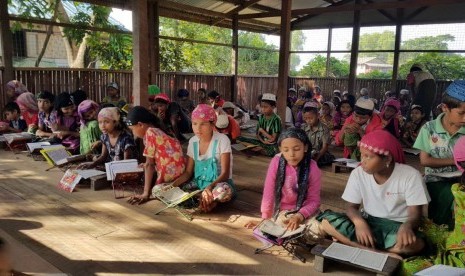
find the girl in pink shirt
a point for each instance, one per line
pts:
(291, 192)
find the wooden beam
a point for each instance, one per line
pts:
(354, 51)
(283, 73)
(256, 6)
(237, 9)
(6, 46)
(358, 7)
(414, 14)
(63, 24)
(397, 41)
(328, 53)
(120, 4)
(235, 58)
(140, 53)
(307, 17)
(383, 12)
(169, 5)
(154, 41)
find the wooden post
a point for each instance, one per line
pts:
(154, 41)
(283, 74)
(395, 66)
(328, 53)
(235, 54)
(140, 52)
(354, 50)
(7, 46)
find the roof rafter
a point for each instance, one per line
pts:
(383, 12)
(307, 17)
(358, 7)
(239, 8)
(415, 13)
(256, 6)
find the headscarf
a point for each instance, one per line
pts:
(17, 86)
(457, 90)
(382, 142)
(28, 101)
(303, 171)
(459, 153)
(111, 113)
(332, 108)
(392, 102)
(204, 112)
(86, 106)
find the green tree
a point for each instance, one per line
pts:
(439, 42)
(443, 66)
(297, 44)
(317, 67)
(377, 41)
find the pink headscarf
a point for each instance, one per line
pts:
(383, 143)
(204, 112)
(28, 101)
(459, 153)
(392, 102)
(84, 107)
(17, 86)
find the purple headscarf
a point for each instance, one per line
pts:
(84, 107)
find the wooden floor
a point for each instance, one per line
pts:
(92, 233)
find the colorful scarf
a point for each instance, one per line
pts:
(111, 113)
(28, 102)
(382, 142)
(86, 106)
(17, 86)
(204, 112)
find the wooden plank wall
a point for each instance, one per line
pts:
(94, 81)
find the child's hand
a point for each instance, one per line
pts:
(294, 221)
(251, 224)
(405, 236)
(364, 235)
(95, 145)
(86, 165)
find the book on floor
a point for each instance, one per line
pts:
(357, 256)
(55, 154)
(18, 141)
(122, 167)
(36, 146)
(69, 180)
(172, 195)
(276, 230)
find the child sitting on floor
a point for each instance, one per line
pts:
(436, 140)
(361, 122)
(227, 125)
(291, 194)
(327, 113)
(164, 156)
(318, 134)
(45, 101)
(391, 117)
(117, 142)
(268, 127)
(90, 132)
(15, 123)
(209, 161)
(343, 111)
(412, 128)
(29, 110)
(392, 195)
(66, 127)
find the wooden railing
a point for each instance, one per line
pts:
(94, 81)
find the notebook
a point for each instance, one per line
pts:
(128, 166)
(361, 257)
(274, 229)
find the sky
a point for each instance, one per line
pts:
(343, 36)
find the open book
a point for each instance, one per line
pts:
(411, 151)
(441, 270)
(351, 163)
(274, 229)
(69, 180)
(172, 196)
(36, 147)
(17, 140)
(357, 256)
(128, 166)
(54, 155)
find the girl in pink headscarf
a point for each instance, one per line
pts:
(392, 194)
(14, 88)
(29, 110)
(391, 117)
(209, 160)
